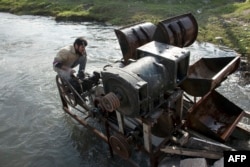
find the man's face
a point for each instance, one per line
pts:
(80, 49)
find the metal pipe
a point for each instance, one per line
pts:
(84, 123)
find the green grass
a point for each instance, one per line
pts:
(228, 19)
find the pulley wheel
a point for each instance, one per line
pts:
(110, 102)
(120, 146)
(66, 91)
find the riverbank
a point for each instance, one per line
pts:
(224, 22)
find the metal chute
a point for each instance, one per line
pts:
(179, 31)
(132, 37)
(207, 73)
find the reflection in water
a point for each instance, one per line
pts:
(34, 129)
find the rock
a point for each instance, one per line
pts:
(194, 162)
(218, 38)
(219, 163)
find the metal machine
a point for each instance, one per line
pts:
(155, 101)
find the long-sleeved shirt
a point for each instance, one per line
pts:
(68, 57)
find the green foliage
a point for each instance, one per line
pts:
(228, 19)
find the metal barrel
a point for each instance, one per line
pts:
(132, 37)
(179, 31)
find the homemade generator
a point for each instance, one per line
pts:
(154, 101)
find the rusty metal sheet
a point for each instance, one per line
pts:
(132, 37)
(192, 152)
(179, 31)
(207, 73)
(214, 116)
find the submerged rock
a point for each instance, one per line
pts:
(194, 162)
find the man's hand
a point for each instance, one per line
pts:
(81, 75)
(72, 71)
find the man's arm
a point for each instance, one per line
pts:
(82, 64)
(58, 65)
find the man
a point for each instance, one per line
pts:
(68, 58)
(71, 56)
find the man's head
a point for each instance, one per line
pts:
(80, 44)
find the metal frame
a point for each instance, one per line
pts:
(115, 133)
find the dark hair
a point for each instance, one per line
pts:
(81, 41)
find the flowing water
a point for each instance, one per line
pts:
(34, 130)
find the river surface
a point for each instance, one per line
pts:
(34, 130)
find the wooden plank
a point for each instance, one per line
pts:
(192, 152)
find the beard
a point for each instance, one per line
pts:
(79, 53)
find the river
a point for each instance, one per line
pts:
(34, 130)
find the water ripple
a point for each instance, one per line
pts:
(34, 130)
